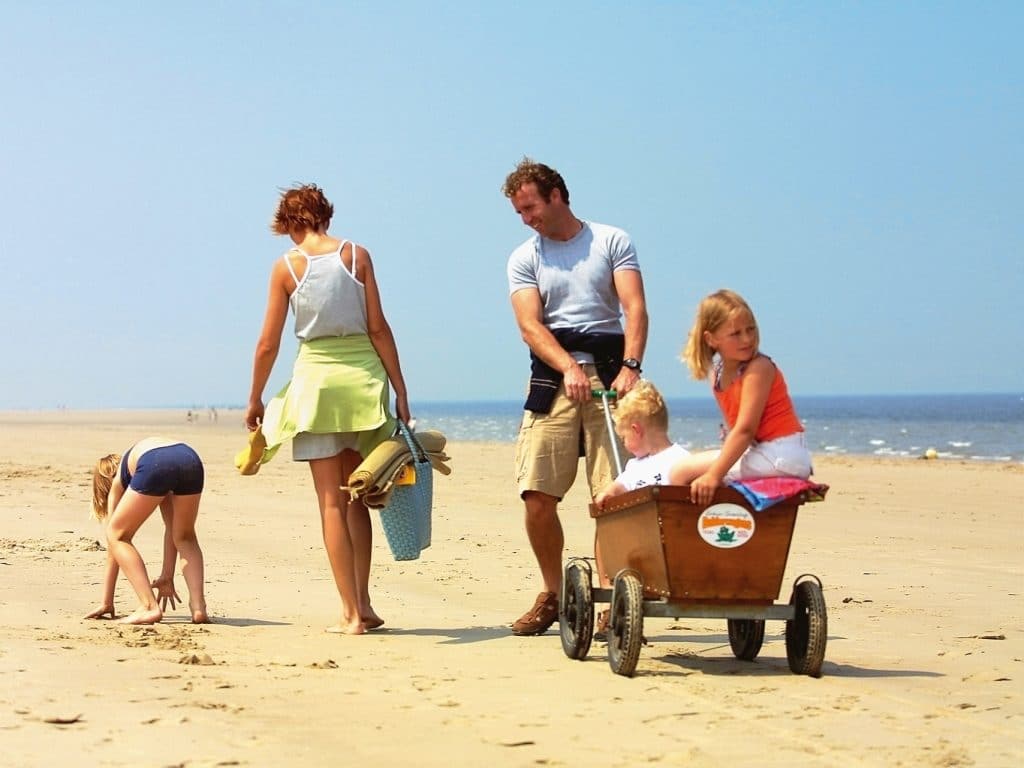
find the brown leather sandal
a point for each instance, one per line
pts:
(542, 615)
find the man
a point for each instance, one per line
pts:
(569, 285)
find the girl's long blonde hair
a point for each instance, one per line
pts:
(712, 312)
(102, 478)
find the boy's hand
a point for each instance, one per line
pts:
(166, 594)
(101, 612)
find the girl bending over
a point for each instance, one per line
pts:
(155, 472)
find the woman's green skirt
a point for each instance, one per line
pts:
(338, 385)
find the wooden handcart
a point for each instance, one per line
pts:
(672, 558)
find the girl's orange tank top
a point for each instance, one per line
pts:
(779, 418)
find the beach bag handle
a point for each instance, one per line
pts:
(418, 454)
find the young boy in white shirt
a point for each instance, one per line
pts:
(641, 420)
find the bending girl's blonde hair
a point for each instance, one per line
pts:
(102, 478)
(712, 312)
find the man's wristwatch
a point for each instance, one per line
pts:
(633, 364)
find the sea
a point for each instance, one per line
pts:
(972, 427)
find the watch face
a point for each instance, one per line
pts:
(631, 362)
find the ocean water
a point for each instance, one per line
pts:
(971, 427)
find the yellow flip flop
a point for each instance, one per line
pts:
(247, 460)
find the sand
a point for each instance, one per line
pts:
(921, 563)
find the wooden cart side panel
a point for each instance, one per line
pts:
(631, 538)
(698, 570)
(654, 531)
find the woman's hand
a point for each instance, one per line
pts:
(166, 594)
(703, 488)
(102, 611)
(254, 415)
(402, 408)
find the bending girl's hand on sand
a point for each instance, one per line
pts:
(102, 612)
(166, 594)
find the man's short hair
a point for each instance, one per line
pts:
(544, 177)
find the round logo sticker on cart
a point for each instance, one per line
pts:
(726, 526)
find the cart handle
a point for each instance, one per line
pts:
(605, 395)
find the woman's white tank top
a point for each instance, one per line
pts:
(328, 300)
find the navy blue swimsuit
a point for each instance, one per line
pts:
(160, 471)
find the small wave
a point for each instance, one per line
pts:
(960, 443)
(891, 452)
(876, 442)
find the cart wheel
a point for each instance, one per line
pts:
(746, 637)
(576, 612)
(807, 631)
(626, 624)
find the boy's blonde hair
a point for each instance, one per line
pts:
(643, 405)
(102, 478)
(712, 313)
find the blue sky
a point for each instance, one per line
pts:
(856, 170)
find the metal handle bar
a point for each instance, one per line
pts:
(605, 394)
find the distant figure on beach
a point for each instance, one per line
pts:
(765, 437)
(154, 472)
(335, 408)
(569, 285)
(641, 422)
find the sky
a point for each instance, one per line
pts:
(855, 170)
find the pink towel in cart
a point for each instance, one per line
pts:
(764, 492)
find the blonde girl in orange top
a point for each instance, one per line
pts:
(765, 438)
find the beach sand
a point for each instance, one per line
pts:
(921, 563)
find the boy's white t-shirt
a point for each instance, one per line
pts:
(651, 469)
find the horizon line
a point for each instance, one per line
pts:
(482, 400)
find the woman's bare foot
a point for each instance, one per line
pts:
(370, 619)
(102, 612)
(143, 616)
(354, 627)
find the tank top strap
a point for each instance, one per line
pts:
(352, 271)
(288, 262)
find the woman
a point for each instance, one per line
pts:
(335, 408)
